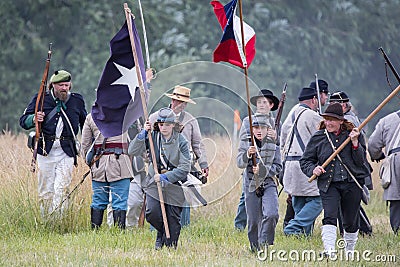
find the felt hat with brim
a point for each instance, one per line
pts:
(181, 93)
(267, 94)
(339, 96)
(334, 110)
(60, 76)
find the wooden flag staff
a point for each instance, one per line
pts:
(146, 116)
(247, 89)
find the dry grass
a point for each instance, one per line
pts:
(210, 240)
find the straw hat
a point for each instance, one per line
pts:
(181, 93)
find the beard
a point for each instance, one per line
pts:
(61, 94)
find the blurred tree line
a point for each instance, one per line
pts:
(336, 39)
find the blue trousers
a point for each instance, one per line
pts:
(185, 216)
(241, 215)
(119, 192)
(306, 209)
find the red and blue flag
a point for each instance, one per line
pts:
(230, 48)
(118, 102)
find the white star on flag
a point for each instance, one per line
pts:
(129, 78)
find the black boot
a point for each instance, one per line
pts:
(119, 218)
(96, 218)
(160, 241)
(173, 241)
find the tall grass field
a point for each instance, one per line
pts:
(27, 239)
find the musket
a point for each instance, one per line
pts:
(390, 64)
(318, 94)
(280, 108)
(370, 116)
(39, 107)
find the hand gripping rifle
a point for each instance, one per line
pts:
(39, 107)
(280, 108)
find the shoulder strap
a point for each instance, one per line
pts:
(296, 132)
(340, 159)
(292, 132)
(69, 123)
(50, 115)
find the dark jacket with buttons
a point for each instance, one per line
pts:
(75, 111)
(319, 149)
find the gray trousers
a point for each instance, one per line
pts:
(395, 215)
(262, 215)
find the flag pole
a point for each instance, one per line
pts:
(146, 116)
(245, 67)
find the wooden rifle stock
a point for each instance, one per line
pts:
(39, 107)
(280, 108)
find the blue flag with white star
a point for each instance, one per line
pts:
(118, 103)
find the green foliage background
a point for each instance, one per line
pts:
(337, 39)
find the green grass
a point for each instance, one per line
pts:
(29, 240)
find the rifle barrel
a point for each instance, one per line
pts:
(390, 64)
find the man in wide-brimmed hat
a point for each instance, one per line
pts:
(297, 130)
(265, 102)
(180, 96)
(339, 182)
(343, 99)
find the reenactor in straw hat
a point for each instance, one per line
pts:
(63, 115)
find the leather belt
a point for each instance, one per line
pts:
(293, 158)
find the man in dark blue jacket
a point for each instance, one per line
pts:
(62, 115)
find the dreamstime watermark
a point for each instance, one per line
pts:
(310, 255)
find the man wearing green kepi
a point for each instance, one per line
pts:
(62, 115)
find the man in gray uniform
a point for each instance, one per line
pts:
(191, 131)
(296, 131)
(387, 135)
